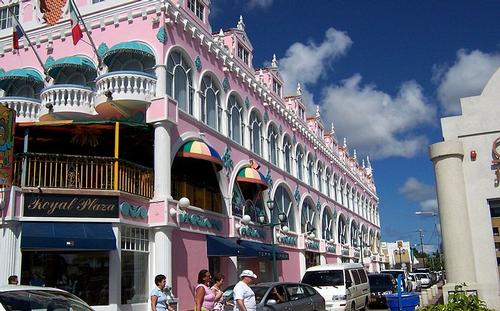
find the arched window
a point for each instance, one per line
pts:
(327, 225)
(180, 81)
(287, 154)
(284, 203)
(319, 177)
(341, 231)
(210, 103)
(310, 170)
(272, 140)
(300, 164)
(348, 196)
(354, 234)
(336, 186)
(235, 123)
(247, 200)
(308, 217)
(255, 133)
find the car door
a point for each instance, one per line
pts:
(363, 288)
(318, 302)
(356, 288)
(299, 300)
(281, 298)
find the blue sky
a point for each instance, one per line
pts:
(384, 72)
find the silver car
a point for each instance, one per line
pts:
(31, 298)
(282, 296)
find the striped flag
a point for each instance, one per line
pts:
(76, 31)
(17, 33)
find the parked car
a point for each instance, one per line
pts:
(416, 284)
(344, 286)
(381, 284)
(278, 296)
(407, 285)
(27, 298)
(425, 279)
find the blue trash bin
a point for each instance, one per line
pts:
(408, 301)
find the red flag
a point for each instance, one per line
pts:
(76, 31)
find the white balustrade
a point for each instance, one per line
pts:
(27, 109)
(126, 85)
(68, 98)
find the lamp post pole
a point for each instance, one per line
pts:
(437, 233)
(361, 246)
(280, 220)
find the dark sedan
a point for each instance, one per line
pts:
(380, 285)
(279, 296)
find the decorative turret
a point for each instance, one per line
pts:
(271, 77)
(241, 24)
(299, 89)
(274, 62)
(369, 169)
(237, 43)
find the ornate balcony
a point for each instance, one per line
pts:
(66, 101)
(82, 172)
(124, 91)
(27, 109)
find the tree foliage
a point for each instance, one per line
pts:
(460, 301)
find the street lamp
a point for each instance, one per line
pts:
(281, 220)
(400, 251)
(433, 214)
(361, 244)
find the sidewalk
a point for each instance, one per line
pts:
(437, 299)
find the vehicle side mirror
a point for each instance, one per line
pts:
(348, 284)
(271, 302)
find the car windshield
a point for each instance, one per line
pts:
(41, 300)
(380, 283)
(421, 275)
(324, 278)
(395, 274)
(259, 291)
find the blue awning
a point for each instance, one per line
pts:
(262, 250)
(130, 48)
(26, 74)
(67, 236)
(218, 246)
(77, 62)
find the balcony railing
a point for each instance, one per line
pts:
(27, 109)
(126, 85)
(69, 98)
(82, 172)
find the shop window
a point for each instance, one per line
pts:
(312, 259)
(497, 246)
(135, 252)
(494, 208)
(495, 231)
(214, 265)
(84, 274)
(196, 180)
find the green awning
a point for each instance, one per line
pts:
(77, 62)
(129, 47)
(26, 74)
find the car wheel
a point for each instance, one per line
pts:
(353, 306)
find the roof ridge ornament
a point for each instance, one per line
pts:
(299, 90)
(241, 24)
(333, 130)
(274, 62)
(318, 114)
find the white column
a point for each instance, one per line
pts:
(162, 254)
(11, 252)
(161, 80)
(452, 201)
(302, 263)
(162, 168)
(232, 270)
(115, 274)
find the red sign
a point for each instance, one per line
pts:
(7, 124)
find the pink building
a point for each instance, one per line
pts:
(108, 141)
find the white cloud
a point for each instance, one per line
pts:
(430, 205)
(429, 248)
(260, 3)
(375, 122)
(306, 63)
(417, 191)
(466, 77)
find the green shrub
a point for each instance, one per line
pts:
(460, 301)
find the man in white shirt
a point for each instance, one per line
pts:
(244, 297)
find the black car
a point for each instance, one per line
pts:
(380, 285)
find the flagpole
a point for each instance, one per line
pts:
(99, 60)
(29, 42)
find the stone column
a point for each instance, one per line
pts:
(162, 167)
(115, 274)
(452, 201)
(162, 254)
(161, 80)
(11, 252)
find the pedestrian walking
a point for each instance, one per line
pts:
(13, 280)
(159, 301)
(204, 297)
(244, 297)
(217, 289)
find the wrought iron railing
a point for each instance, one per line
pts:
(47, 170)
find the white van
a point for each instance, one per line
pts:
(344, 286)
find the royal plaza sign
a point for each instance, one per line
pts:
(70, 205)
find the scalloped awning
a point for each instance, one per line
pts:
(78, 62)
(251, 175)
(26, 74)
(202, 151)
(129, 47)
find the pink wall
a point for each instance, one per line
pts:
(332, 258)
(290, 271)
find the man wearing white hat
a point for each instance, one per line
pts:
(244, 297)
